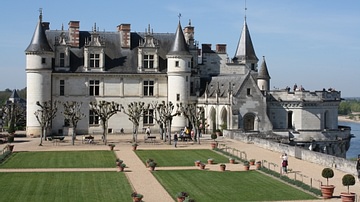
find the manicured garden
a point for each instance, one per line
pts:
(212, 186)
(61, 159)
(65, 186)
(166, 158)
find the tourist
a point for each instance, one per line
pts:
(175, 139)
(358, 167)
(148, 131)
(284, 162)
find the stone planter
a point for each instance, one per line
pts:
(222, 167)
(213, 145)
(232, 161)
(210, 161)
(202, 166)
(197, 163)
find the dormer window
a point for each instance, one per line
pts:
(148, 61)
(62, 59)
(95, 60)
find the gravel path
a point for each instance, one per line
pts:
(145, 183)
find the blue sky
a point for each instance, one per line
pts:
(315, 44)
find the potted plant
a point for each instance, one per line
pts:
(111, 146)
(231, 160)
(134, 146)
(197, 162)
(136, 197)
(202, 166)
(148, 161)
(210, 161)
(222, 167)
(181, 196)
(118, 161)
(258, 165)
(327, 190)
(252, 162)
(213, 144)
(122, 167)
(152, 165)
(246, 165)
(348, 180)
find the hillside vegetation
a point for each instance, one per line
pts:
(4, 95)
(349, 107)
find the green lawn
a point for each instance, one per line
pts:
(65, 186)
(61, 159)
(211, 186)
(180, 157)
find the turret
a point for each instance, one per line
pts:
(245, 53)
(179, 71)
(39, 56)
(263, 79)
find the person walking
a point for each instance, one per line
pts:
(358, 167)
(284, 163)
(175, 139)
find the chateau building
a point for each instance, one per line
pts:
(125, 66)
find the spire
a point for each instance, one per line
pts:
(39, 41)
(263, 73)
(14, 95)
(179, 47)
(245, 49)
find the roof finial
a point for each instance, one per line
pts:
(148, 29)
(189, 22)
(94, 27)
(179, 16)
(40, 16)
(245, 9)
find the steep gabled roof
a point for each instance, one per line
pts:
(245, 49)
(179, 47)
(39, 42)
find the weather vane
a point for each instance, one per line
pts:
(179, 16)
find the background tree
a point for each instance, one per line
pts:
(14, 114)
(166, 112)
(45, 115)
(105, 110)
(195, 115)
(135, 110)
(72, 113)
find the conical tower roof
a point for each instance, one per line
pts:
(14, 95)
(179, 47)
(39, 41)
(245, 49)
(263, 73)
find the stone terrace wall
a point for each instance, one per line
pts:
(303, 154)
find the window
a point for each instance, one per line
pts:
(94, 87)
(62, 59)
(62, 87)
(148, 117)
(148, 88)
(189, 64)
(149, 61)
(94, 60)
(177, 97)
(248, 91)
(43, 60)
(176, 63)
(93, 118)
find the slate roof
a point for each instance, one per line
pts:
(38, 42)
(222, 84)
(117, 59)
(245, 49)
(179, 47)
(264, 73)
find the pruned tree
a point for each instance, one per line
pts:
(135, 110)
(166, 111)
(159, 119)
(72, 113)
(105, 110)
(45, 115)
(195, 115)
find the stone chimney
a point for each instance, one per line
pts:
(74, 35)
(124, 30)
(221, 48)
(46, 25)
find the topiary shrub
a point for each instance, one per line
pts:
(327, 173)
(213, 136)
(348, 180)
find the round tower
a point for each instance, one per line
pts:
(39, 56)
(179, 72)
(263, 79)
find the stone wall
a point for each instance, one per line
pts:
(297, 152)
